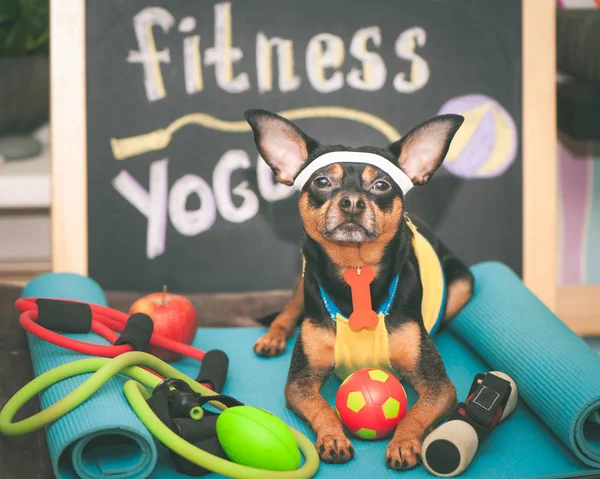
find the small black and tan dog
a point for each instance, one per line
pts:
(352, 209)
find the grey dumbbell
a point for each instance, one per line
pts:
(449, 449)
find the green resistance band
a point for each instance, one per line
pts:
(129, 364)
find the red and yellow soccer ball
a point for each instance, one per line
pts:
(370, 402)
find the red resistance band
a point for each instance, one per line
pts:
(104, 321)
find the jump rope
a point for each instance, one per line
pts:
(44, 317)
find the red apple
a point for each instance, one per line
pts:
(174, 317)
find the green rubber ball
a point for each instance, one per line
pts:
(256, 438)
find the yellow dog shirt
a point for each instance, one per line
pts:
(368, 348)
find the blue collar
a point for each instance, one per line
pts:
(384, 309)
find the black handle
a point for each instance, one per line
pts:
(195, 431)
(138, 331)
(214, 369)
(183, 466)
(181, 403)
(64, 316)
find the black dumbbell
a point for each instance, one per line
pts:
(449, 449)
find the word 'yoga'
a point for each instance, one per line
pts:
(158, 204)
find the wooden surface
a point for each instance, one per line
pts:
(579, 308)
(540, 187)
(19, 273)
(68, 136)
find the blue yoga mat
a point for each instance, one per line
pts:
(557, 373)
(102, 438)
(553, 433)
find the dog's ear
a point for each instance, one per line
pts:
(283, 146)
(421, 151)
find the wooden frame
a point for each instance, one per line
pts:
(539, 146)
(68, 136)
(578, 307)
(68, 120)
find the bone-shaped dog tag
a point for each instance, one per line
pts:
(362, 315)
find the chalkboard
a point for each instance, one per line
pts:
(176, 191)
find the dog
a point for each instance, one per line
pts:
(352, 208)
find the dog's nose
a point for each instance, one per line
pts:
(352, 204)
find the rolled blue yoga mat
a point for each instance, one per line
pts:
(65, 285)
(102, 438)
(551, 434)
(557, 373)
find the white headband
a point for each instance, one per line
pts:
(401, 179)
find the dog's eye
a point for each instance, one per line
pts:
(382, 185)
(322, 182)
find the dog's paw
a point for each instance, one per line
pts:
(334, 448)
(270, 344)
(403, 453)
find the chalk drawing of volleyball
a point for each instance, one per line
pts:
(486, 144)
